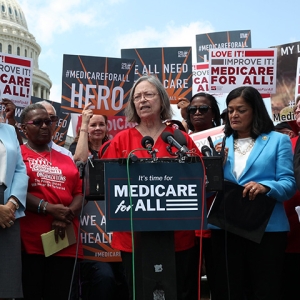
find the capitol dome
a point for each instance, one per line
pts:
(15, 39)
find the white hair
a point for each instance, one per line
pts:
(44, 102)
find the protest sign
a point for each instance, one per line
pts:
(287, 89)
(172, 65)
(16, 78)
(200, 78)
(223, 39)
(297, 89)
(231, 68)
(95, 239)
(200, 138)
(114, 124)
(106, 82)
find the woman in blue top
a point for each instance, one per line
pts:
(13, 189)
(260, 160)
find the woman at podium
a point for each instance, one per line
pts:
(149, 106)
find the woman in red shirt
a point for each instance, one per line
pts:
(54, 201)
(149, 106)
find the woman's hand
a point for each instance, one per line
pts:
(7, 216)
(254, 188)
(61, 212)
(59, 229)
(87, 113)
(218, 148)
(10, 108)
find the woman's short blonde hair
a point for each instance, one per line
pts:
(166, 111)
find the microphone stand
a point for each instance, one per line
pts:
(181, 156)
(169, 149)
(153, 152)
(179, 142)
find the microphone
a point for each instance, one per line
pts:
(212, 146)
(222, 153)
(206, 151)
(147, 142)
(179, 137)
(214, 151)
(168, 138)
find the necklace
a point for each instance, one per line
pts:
(155, 135)
(49, 150)
(239, 150)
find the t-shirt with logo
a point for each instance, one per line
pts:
(54, 178)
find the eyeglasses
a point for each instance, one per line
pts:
(202, 109)
(54, 118)
(40, 122)
(147, 96)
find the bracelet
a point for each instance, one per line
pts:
(44, 208)
(14, 202)
(39, 207)
(84, 130)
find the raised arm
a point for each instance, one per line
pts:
(82, 148)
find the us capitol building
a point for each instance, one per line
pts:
(15, 39)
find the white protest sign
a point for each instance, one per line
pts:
(16, 78)
(297, 87)
(231, 68)
(200, 77)
(200, 138)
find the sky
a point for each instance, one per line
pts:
(103, 28)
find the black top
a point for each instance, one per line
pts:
(73, 146)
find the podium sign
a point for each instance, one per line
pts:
(162, 195)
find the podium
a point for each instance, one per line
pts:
(94, 175)
(154, 199)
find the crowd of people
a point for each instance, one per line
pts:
(261, 161)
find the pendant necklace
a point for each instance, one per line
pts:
(49, 150)
(156, 134)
